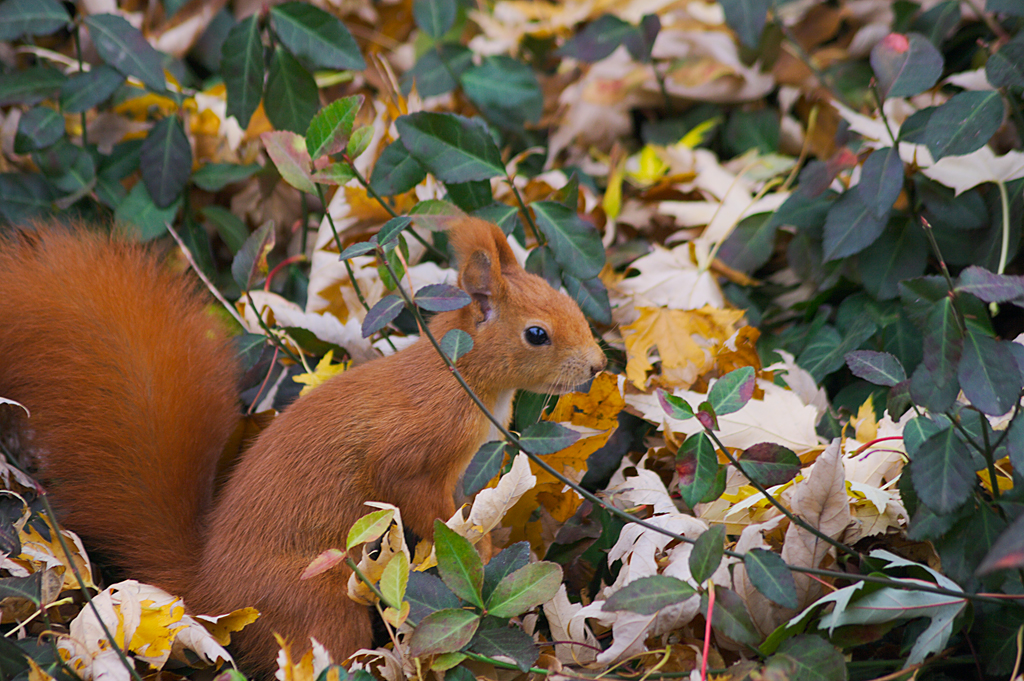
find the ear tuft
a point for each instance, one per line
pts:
(472, 235)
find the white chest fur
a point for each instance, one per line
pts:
(502, 410)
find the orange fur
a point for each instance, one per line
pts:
(398, 429)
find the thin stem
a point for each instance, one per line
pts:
(989, 455)
(1004, 204)
(199, 273)
(526, 213)
(85, 592)
(81, 65)
(270, 334)
(366, 580)
(793, 518)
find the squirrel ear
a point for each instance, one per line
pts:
(484, 256)
(476, 279)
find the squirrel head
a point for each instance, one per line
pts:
(526, 335)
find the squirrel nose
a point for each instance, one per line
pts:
(598, 362)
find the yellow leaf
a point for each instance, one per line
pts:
(140, 107)
(221, 627)
(156, 631)
(699, 133)
(648, 166)
(612, 201)
(597, 408)
(324, 372)
(672, 332)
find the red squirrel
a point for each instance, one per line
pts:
(131, 389)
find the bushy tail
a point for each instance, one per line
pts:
(131, 388)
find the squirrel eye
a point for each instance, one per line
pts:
(536, 336)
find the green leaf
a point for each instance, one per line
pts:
(1004, 69)
(747, 19)
(851, 226)
(505, 90)
(426, 594)
(772, 577)
(485, 464)
(243, 69)
(231, 229)
(934, 395)
(648, 595)
(752, 243)
(360, 248)
(905, 65)
(25, 194)
(707, 553)
(455, 344)
(989, 375)
(881, 180)
(144, 219)
(316, 36)
(215, 176)
(330, 129)
(434, 17)
(436, 70)
(453, 148)
(675, 407)
(508, 641)
(392, 228)
(334, 173)
(577, 245)
(125, 48)
(166, 158)
(991, 288)
(591, 295)
(942, 472)
(697, 465)
(369, 528)
(547, 437)
(30, 86)
(807, 658)
(459, 564)
(943, 341)
(901, 252)
(821, 356)
(38, 128)
(288, 152)
(444, 631)
(769, 464)
(86, 90)
(965, 123)
(250, 264)
(292, 97)
(442, 298)
(396, 171)
(524, 589)
(508, 560)
(359, 141)
(382, 314)
(28, 588)
(731, 392)
(730, 616)
(879, 368)
(1008, 551)
(31, 17)
(599, 39)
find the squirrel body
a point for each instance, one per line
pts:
(132, 395)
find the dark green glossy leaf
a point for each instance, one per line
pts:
(879, 368)
(730, 616)
(851, 226)
(769, 464)
(357, 249)
(215, 176)
(942, 472)
(577, 245)
(444, 631)
(249, 267)
(485, 464)
(731, 392)
(547, 437)
(243, 69)
(292, 97)
(697, 465)
(988, 374)
(382, 314)
(881, 180)
(85, 90)
(807, 658)
(316, 36)
(1008, 551)
(648, 595)
(125, 48)
(426, 594)
(459, 564)
(964, 124)
(1005, 68)
(31, 17)
(145, 220)
(442, 298)
(506, 91)
(231, 229)
(772, 577)
(25, 194)
(436, 71)
(38, 128)
(396, 171)
(751, 244)
(943, 340)
(901, 252)
(990, 287)
(934, 395)
(707, 552)
(28, 588)
(166, 158)
(590, 295)
(434, 17)
(905, 65)
(820, 356)
(509, 641)
(392, 228)
(599, 39)
(526, 588)
(747, 18)
(330, 129)
(508, 560)
(30, 86)
(453, 148)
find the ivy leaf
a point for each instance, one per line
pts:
(292, 97)
(453, 148)
(547, 437)
(648, 595)
(243, 69)
(442, 298)
(122, 46)
(166, 158)
(879, 368)
(577, 246)
(772, 577)
(707, 553)
(382, 314)
(965, 123)
(316, 36)
(485, 464)
(459, 564)
(905, 65)
(731, 392)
